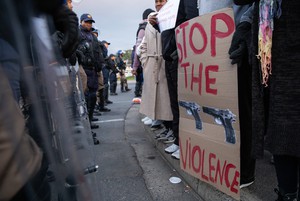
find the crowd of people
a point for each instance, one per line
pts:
(267, 82)
(265, 48)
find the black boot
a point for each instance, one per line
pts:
(115, 88)
(137, 90)
(105, 92)
(285, 196)
(122, 87)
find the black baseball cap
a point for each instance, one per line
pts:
(86, 17)
(104, 41)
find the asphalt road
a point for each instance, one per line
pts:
(130, 167)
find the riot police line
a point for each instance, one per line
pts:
(46, 143)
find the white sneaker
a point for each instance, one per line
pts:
(145, 119)
(148, 122)
(176, 154)
(171, 149)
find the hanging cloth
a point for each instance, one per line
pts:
(268, 10)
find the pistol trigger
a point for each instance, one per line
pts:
(218, 121)
(189, 112)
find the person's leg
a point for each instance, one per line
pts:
(172, 77)
(83, 78)
(105, 72)
(126, 84)
(91, 103)
(122, 83)
(100, 92)
(245, 114)
(168, 125)
(111, 81)
(287, 171)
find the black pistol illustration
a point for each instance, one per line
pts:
(225, 118)
(192, 109)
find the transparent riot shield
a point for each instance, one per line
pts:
(48, 92)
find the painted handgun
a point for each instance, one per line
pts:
(225, 118)
(192, 109)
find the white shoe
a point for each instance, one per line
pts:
(176, 154)
(171, 149)
(145, 119)
(148, 122)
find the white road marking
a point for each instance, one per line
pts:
(107, 121)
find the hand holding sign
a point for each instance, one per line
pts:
(167, 15)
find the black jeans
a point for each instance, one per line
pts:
(168, 124)
(172, 79)
(105, 73)
(288, 171)
(245, 114)
(91, 99)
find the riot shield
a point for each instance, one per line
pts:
(48, 92)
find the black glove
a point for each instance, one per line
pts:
(82, 59)
(66, 22)
(72, 59)
(240, 44)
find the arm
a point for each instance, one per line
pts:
(137, 62)
(142, 51)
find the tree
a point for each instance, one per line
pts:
(127, 56)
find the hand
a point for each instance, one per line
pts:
(66, 22)
(152, 19)
(240, 42)
(133, 72)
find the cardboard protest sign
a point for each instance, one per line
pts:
(208, 99)
(167, 15)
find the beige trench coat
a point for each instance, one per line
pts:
(155, 96)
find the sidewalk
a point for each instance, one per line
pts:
(261, 190)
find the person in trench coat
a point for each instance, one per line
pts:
(155, 96)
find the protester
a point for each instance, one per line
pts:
(240, 55)
(275, 95)
(187, 10)
(139, 78)
(137, 68)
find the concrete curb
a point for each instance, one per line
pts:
(261, 190)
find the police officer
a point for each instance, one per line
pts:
(111, 65)
(90, 63)
(100, 93)
(122, 67)
(105, 71)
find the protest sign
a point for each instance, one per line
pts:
(167, 15)
(208, 99)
